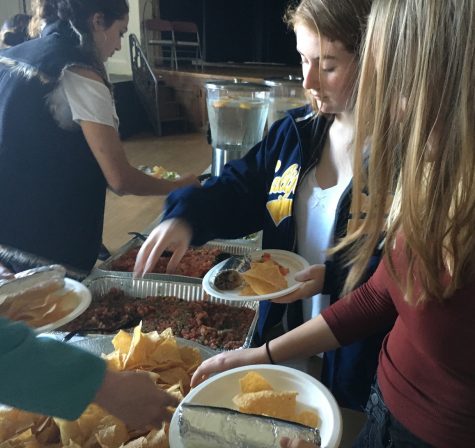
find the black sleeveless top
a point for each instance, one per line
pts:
(52, 190)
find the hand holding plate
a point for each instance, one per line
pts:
(311, 278)
(229, 360)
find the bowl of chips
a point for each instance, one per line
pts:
(169, 361)
(279, 391)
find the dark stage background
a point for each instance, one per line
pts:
(238, 31)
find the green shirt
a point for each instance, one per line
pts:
(42, 375)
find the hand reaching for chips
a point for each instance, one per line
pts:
(139, 404)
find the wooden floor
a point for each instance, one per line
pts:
(184, 153)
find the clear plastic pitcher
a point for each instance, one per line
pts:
(286, 93)
(237, 113)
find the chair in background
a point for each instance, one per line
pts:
(160, 42)
(187, 43)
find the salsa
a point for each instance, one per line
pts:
(195, 263)
(216, 325)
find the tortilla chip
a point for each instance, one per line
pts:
(175, 375)
(122, 341)
(24, 440)
(265, 278)
(308, 418)
(246, 290)
(191, 358)
(38, 311)
(158, 438)
(253, 382)
(268, 402)
(111, 432)
(13, 421)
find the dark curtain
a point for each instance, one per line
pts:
(240, 31)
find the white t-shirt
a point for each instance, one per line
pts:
(315, 220)
(78, 98)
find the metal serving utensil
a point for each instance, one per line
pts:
(229, 276)
(122, 326)
(140, 236)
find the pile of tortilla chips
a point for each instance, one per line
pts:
(258, 397)
(37, 310)
(264, 277)
(169, 364)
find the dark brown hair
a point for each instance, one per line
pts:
(77, 12)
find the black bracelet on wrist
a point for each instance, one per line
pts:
(268, 353)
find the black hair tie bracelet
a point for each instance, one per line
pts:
(268, 353)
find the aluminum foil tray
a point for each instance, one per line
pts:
(234, 247)
(100, 285)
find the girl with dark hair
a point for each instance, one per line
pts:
(59, 141)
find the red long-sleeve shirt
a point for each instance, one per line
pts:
(426, 366)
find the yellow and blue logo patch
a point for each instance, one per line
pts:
(282, 192)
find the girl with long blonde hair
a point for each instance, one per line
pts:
(416, 105)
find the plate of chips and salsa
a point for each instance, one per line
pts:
(272, 275)
(291, 391)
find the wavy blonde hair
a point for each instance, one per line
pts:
(416, 102)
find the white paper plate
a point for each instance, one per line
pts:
(290, 260)
(83, 301)
(220, 389)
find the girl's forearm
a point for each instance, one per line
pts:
(314, 336)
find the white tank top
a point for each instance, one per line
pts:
(315, 220)
(78, 98)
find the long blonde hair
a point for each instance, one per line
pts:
(416, 105)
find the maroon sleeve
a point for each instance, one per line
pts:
(365, 311)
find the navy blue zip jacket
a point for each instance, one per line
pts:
(257, 193)
(52, 190)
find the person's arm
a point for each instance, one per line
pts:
(42, 375)
(363, 312)
(312, 337)
(233, 204)
(229, 206)
(122, 177)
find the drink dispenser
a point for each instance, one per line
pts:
(286, 93)
(237, 113)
